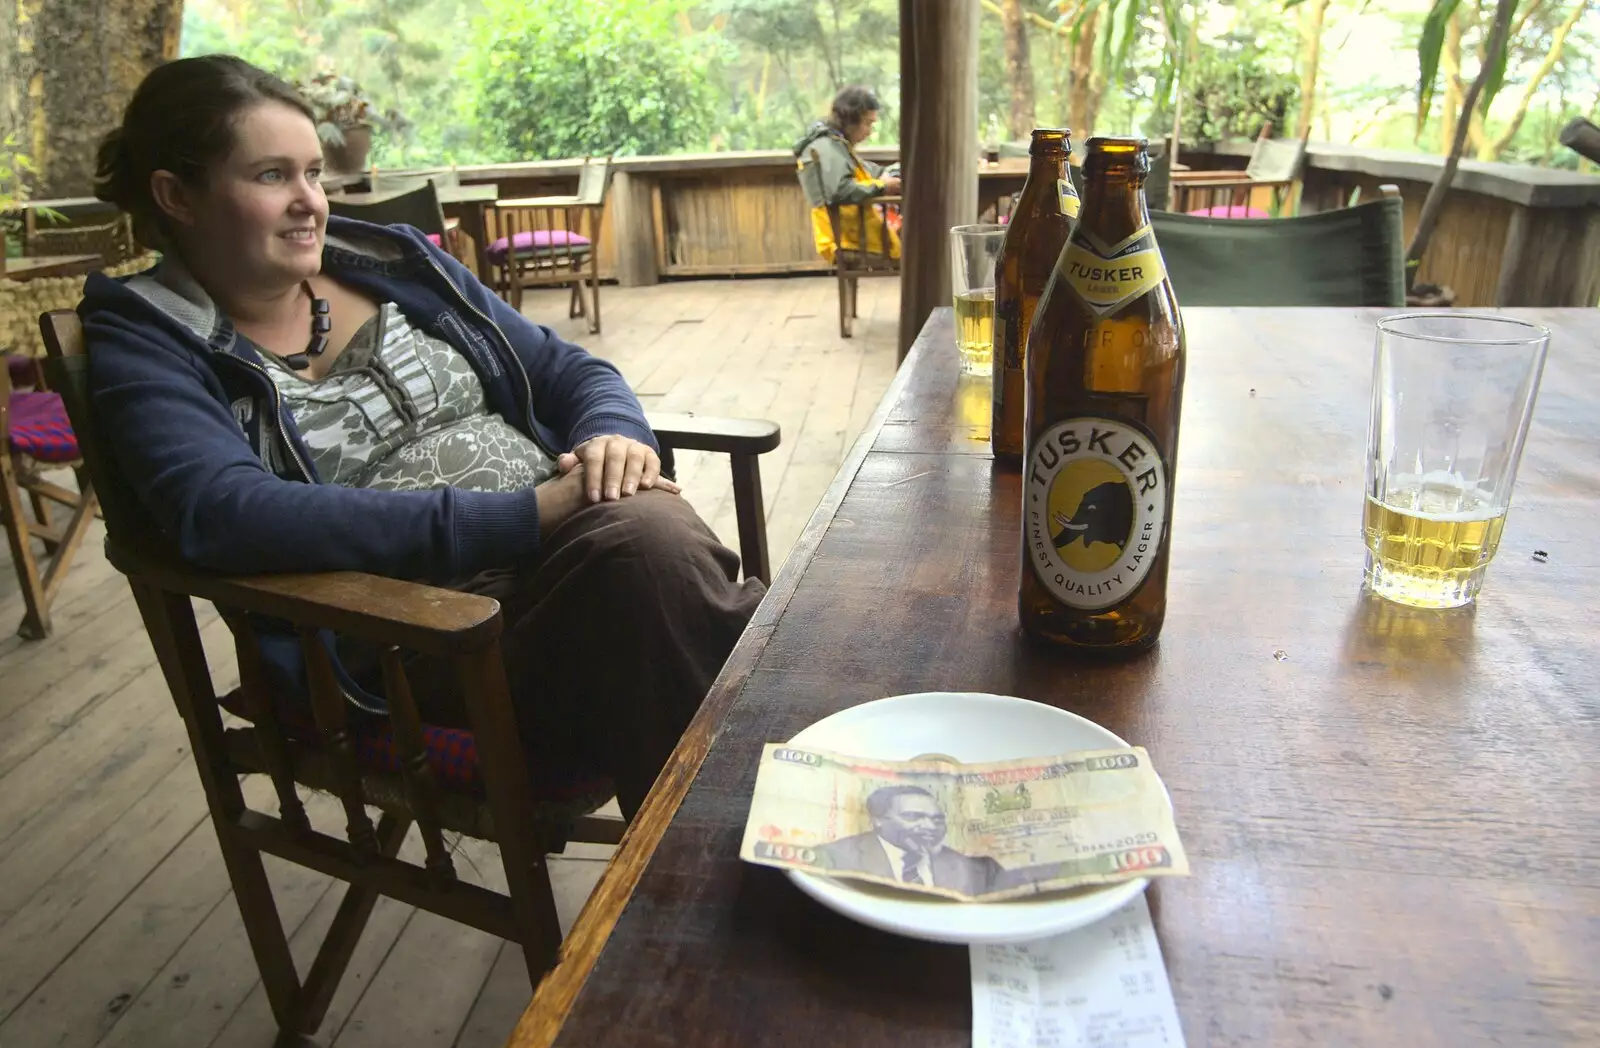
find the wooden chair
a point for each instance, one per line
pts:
(476, 783)
(1275, 164)
(35, 432)
(850, 265)
(417, 204)
(550, 241)
(1349, 257)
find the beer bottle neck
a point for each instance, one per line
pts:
(1113, 202)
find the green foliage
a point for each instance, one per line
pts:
(392, 47)
(1232, 90)
(561, 78)
(786, 59)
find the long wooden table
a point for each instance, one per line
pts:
(1393, 815)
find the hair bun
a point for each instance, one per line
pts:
(113, 173)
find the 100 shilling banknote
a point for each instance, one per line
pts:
(964, 831)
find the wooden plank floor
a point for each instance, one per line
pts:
(117, 926)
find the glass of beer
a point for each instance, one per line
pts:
(973, 253)
(1452, 394)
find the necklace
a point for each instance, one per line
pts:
(321, 324)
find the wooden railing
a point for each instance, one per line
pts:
(1509, 236)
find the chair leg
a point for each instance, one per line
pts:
(750, 512)
(855, 298)
(77, 527)
(41, 513)
(514, 275)
(594, 311)
(575, 304)
(36, 614)
(339, 945)
(844, 306)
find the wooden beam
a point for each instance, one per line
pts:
(939, 148)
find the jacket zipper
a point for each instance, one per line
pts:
(527, 383)
(277, 418)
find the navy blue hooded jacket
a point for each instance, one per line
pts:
(204, 438)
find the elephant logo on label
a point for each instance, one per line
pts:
(1091, 514)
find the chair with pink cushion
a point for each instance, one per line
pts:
(36, 435)
(1275, 165)
(549, 241)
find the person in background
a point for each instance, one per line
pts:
(836, 175)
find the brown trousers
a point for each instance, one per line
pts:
(612, 639)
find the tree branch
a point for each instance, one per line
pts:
(1433, 206)
(1491, 150)
(1032, 16)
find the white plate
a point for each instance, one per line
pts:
(973, 728)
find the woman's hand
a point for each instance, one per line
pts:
(615, 466)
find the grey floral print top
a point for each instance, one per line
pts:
(403, 411)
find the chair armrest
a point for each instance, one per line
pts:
(734, 436)
(384, 610)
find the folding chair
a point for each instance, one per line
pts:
(37, 433)
(478, 783)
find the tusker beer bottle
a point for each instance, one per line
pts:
(1040, 225)
(1104, 385)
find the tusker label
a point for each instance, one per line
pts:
(1068, 197)
(1094, 510)
(1109, 277)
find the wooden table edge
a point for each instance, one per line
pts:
(558, 991)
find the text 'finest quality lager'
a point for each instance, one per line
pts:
(1039, 227)
(1104, 386)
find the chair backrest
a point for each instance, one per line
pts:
(853, 218)
(415, 207)
(593, 180)
(1157, 182)
(1349, 257)
(1276, 159)
(809, 171)
(67, 370)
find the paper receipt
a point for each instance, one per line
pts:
(1103, 986)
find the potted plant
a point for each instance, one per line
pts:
(345, 120)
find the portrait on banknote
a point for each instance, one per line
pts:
(906, 842)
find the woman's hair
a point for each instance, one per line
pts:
(851, 105)
(180, 120)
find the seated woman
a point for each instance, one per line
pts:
(838, 176)
(290, 392)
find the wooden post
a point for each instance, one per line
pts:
(633, 230)
(938, 148)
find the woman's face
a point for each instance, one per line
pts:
(863, 129)
(261, 215)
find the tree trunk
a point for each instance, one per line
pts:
(1312, 15)
(1490, 150)
(1450, 62)
(1084, 98)
(938, 148)
(1433, 206)
(1019, 69)
(72, 66)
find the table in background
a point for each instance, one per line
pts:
(1392, 814)
(467, 203)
